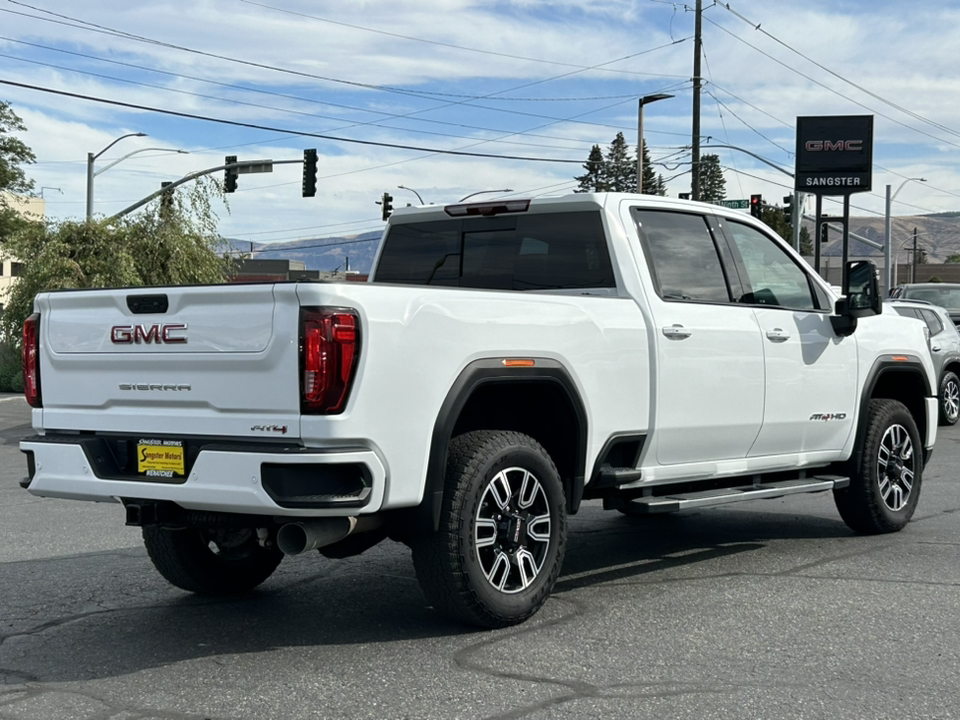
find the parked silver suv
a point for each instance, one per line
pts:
(946, 295)
(944, 349)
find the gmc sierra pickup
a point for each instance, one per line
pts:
(506, 360)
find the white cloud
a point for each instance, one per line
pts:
(909, 60)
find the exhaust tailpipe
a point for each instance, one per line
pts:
(299, 537)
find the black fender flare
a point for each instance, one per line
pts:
(474, 375)
(881, 366)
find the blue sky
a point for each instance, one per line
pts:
(402, 80)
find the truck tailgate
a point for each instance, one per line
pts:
(171, 360)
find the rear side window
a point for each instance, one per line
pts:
(928, 316)
(557, 251)
(683, 256)
(933, 322)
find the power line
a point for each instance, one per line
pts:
(830, 89)
(268, 128)
(269, 107)
(837, 75)
(490, 96)
(451, 45)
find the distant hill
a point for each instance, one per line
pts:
(938, 234)
(325, 254)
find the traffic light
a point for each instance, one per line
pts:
(387, 205)
(230, 174)
(824, 232)
(788, 209)
(309, 173)
(756, 205)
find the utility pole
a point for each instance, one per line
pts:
(913, 275)
(695, 165)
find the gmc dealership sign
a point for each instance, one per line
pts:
(834, 154)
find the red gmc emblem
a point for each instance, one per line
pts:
(828, 145)
(129, 334)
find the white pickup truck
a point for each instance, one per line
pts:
(506, 360)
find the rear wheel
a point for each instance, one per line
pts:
(210, 562)
(502, 533)
(949, 399)
(886, 473)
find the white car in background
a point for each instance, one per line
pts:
(944, 349)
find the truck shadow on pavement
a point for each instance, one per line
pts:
(114, 615)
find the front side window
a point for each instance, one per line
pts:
(682, 255)
(772, 276)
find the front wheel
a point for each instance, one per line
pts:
(949, 399)
(210, 562)
(503, 531)
(886, 472)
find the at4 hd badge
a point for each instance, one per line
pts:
(828, 416)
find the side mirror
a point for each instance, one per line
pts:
(862, 288)
(861, 296)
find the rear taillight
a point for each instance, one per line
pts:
(329, 349)
(31, 360)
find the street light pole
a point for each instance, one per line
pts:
(129, 154)
(481, 192)
(646, 99)
(886, 230)
(404, 187)
(91, 158)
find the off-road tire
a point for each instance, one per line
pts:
(210, 562)
(886, 472)
(948, 399)
(483, 570)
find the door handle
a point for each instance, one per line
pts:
(676, 332)
(778, 334)
(935, 348)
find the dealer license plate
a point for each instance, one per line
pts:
(160, 458)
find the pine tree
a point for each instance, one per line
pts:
(713, 186)
(653, 183)
(617, 171)
(592, 180)
(620, 166)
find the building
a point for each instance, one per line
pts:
(33, 208)
(253, 270)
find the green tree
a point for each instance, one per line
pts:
(14, 153)
(953, 259)
(616, 171)
(713, 186)
(175, 246)
(593, 179)
(653, 183)
(620, 167)
(806, 243)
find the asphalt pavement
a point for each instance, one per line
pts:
(768, 609)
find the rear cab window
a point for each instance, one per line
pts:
(546, 251)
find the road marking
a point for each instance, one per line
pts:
(14, 397)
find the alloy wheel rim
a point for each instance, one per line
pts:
(951, 401)
(512, 530)
(896, 467)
